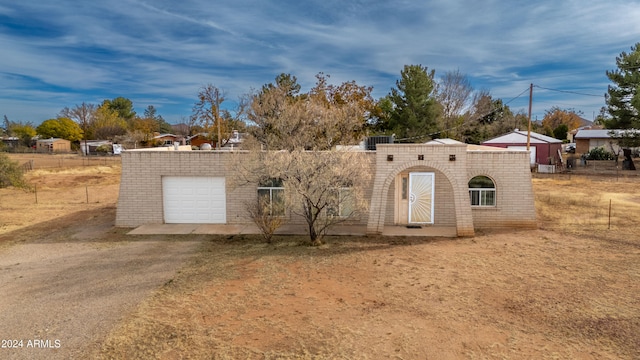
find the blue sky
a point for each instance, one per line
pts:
(61, 53)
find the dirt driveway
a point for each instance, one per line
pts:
(67, 275)
(62, 292)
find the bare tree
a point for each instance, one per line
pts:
(207, 112)
(327, 116)
(84, 115)
(322, 185)
(324, 188)
(454, 91)
(263, 214)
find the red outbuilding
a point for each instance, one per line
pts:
(545, 150)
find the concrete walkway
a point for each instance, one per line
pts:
(347, 230)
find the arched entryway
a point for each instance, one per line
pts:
(420, 196)
(440, 197)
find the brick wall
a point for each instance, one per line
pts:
(140, 198)
(449, 165)
(140, 201)
(511, 175)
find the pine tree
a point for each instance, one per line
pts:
(415, 108)
(623, 98)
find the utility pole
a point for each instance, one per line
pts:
(218, 119)
(529, 130)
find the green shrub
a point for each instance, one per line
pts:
(11, 173)
(599, 153)
(105, 148)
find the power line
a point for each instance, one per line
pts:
(471, 119)
(566, 91)
(524, 91)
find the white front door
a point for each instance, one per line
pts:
(421, 192)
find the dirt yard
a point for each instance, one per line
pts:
(568, 290)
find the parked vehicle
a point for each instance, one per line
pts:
(570, 148)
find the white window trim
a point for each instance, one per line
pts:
(340, 203)
(481, 192)
(271, 189)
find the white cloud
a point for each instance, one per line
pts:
(157, 50)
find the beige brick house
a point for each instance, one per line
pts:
(421, 186)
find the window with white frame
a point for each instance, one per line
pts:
(271, 193)
(341, 203)
(482, 191)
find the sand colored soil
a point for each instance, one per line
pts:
(568, 290)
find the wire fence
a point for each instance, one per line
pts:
(80, 195)
(30, 162)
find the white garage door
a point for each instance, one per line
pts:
(194, 200)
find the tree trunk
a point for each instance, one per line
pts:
(313, 236)
(628, 160)
(311, 220)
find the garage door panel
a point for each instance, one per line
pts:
(193, 199)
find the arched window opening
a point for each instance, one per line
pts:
(482, 191)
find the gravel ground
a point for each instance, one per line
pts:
(63, 290)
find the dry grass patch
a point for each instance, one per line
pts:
(603, 207)
(234, 301)
(568, 290)
(510, 295)
(62, 161)
(56, 192)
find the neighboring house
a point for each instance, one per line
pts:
(421, 186)
(234, 141)
(545, 150)
(90, 146)
(53, 145)
(590, 139)
(11, 141)
(445, 141)
(571, 135)
(198, 139)
(167, 139)
(586, 140)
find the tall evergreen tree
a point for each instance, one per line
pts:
(623, 98)
(123, 108)
(415, 108)
(161, 125)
